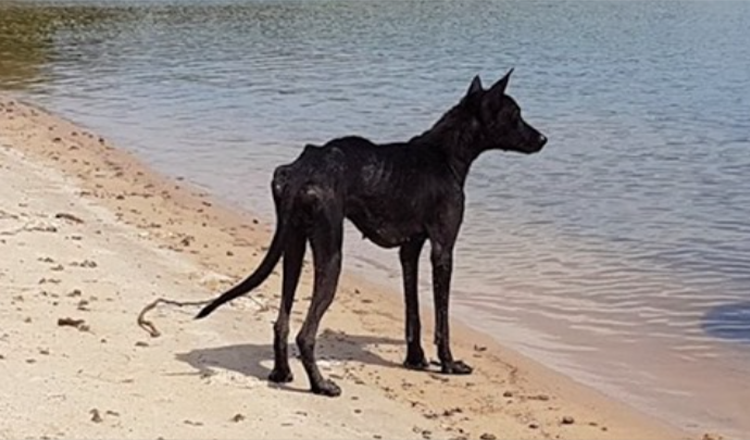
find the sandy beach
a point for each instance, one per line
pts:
(89, 235)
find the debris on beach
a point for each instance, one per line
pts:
(69, 217)
(80, 324)
(74, 293)
(85, 263)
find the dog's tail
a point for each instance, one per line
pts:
(256, 278)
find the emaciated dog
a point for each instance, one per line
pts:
(397, 195)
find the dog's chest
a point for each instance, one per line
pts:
(385, 224)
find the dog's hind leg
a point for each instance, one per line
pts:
(325, 240)
(294, 253)
(409, 255)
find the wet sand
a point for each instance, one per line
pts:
(90, 235)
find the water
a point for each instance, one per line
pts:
(620, 255)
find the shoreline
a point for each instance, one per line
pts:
(205, 248)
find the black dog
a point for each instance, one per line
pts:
(397, 195)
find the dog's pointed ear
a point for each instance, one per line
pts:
(476, 86)
(498, 89)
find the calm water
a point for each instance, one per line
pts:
(620, 255)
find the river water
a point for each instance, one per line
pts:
(620, 255)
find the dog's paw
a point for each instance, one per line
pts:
(327, 388)
(416, 364)
(281, 376)
(456, 367)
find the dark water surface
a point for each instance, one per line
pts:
(620, 255)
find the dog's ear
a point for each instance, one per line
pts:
(476, 86)
(498, 89)
(473, 98)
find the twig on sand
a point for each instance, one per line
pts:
(151, 328)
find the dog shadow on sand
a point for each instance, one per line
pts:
(256, 360)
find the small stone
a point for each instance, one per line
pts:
(508, 394)
(568, 420)
(487, 436)
(238, 418)
(141, 344)
(533, 426)
(95, 416)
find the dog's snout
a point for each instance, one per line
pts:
(542, 140)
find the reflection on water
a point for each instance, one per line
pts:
(24, 45)
(27, 38)
(620, 255)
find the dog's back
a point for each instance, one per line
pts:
(388, 190)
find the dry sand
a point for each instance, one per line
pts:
(89, 233)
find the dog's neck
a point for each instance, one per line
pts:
(459, 136)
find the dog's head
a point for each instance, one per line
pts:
(499, 118)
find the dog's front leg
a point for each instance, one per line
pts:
(409, 255)
(442, 268)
